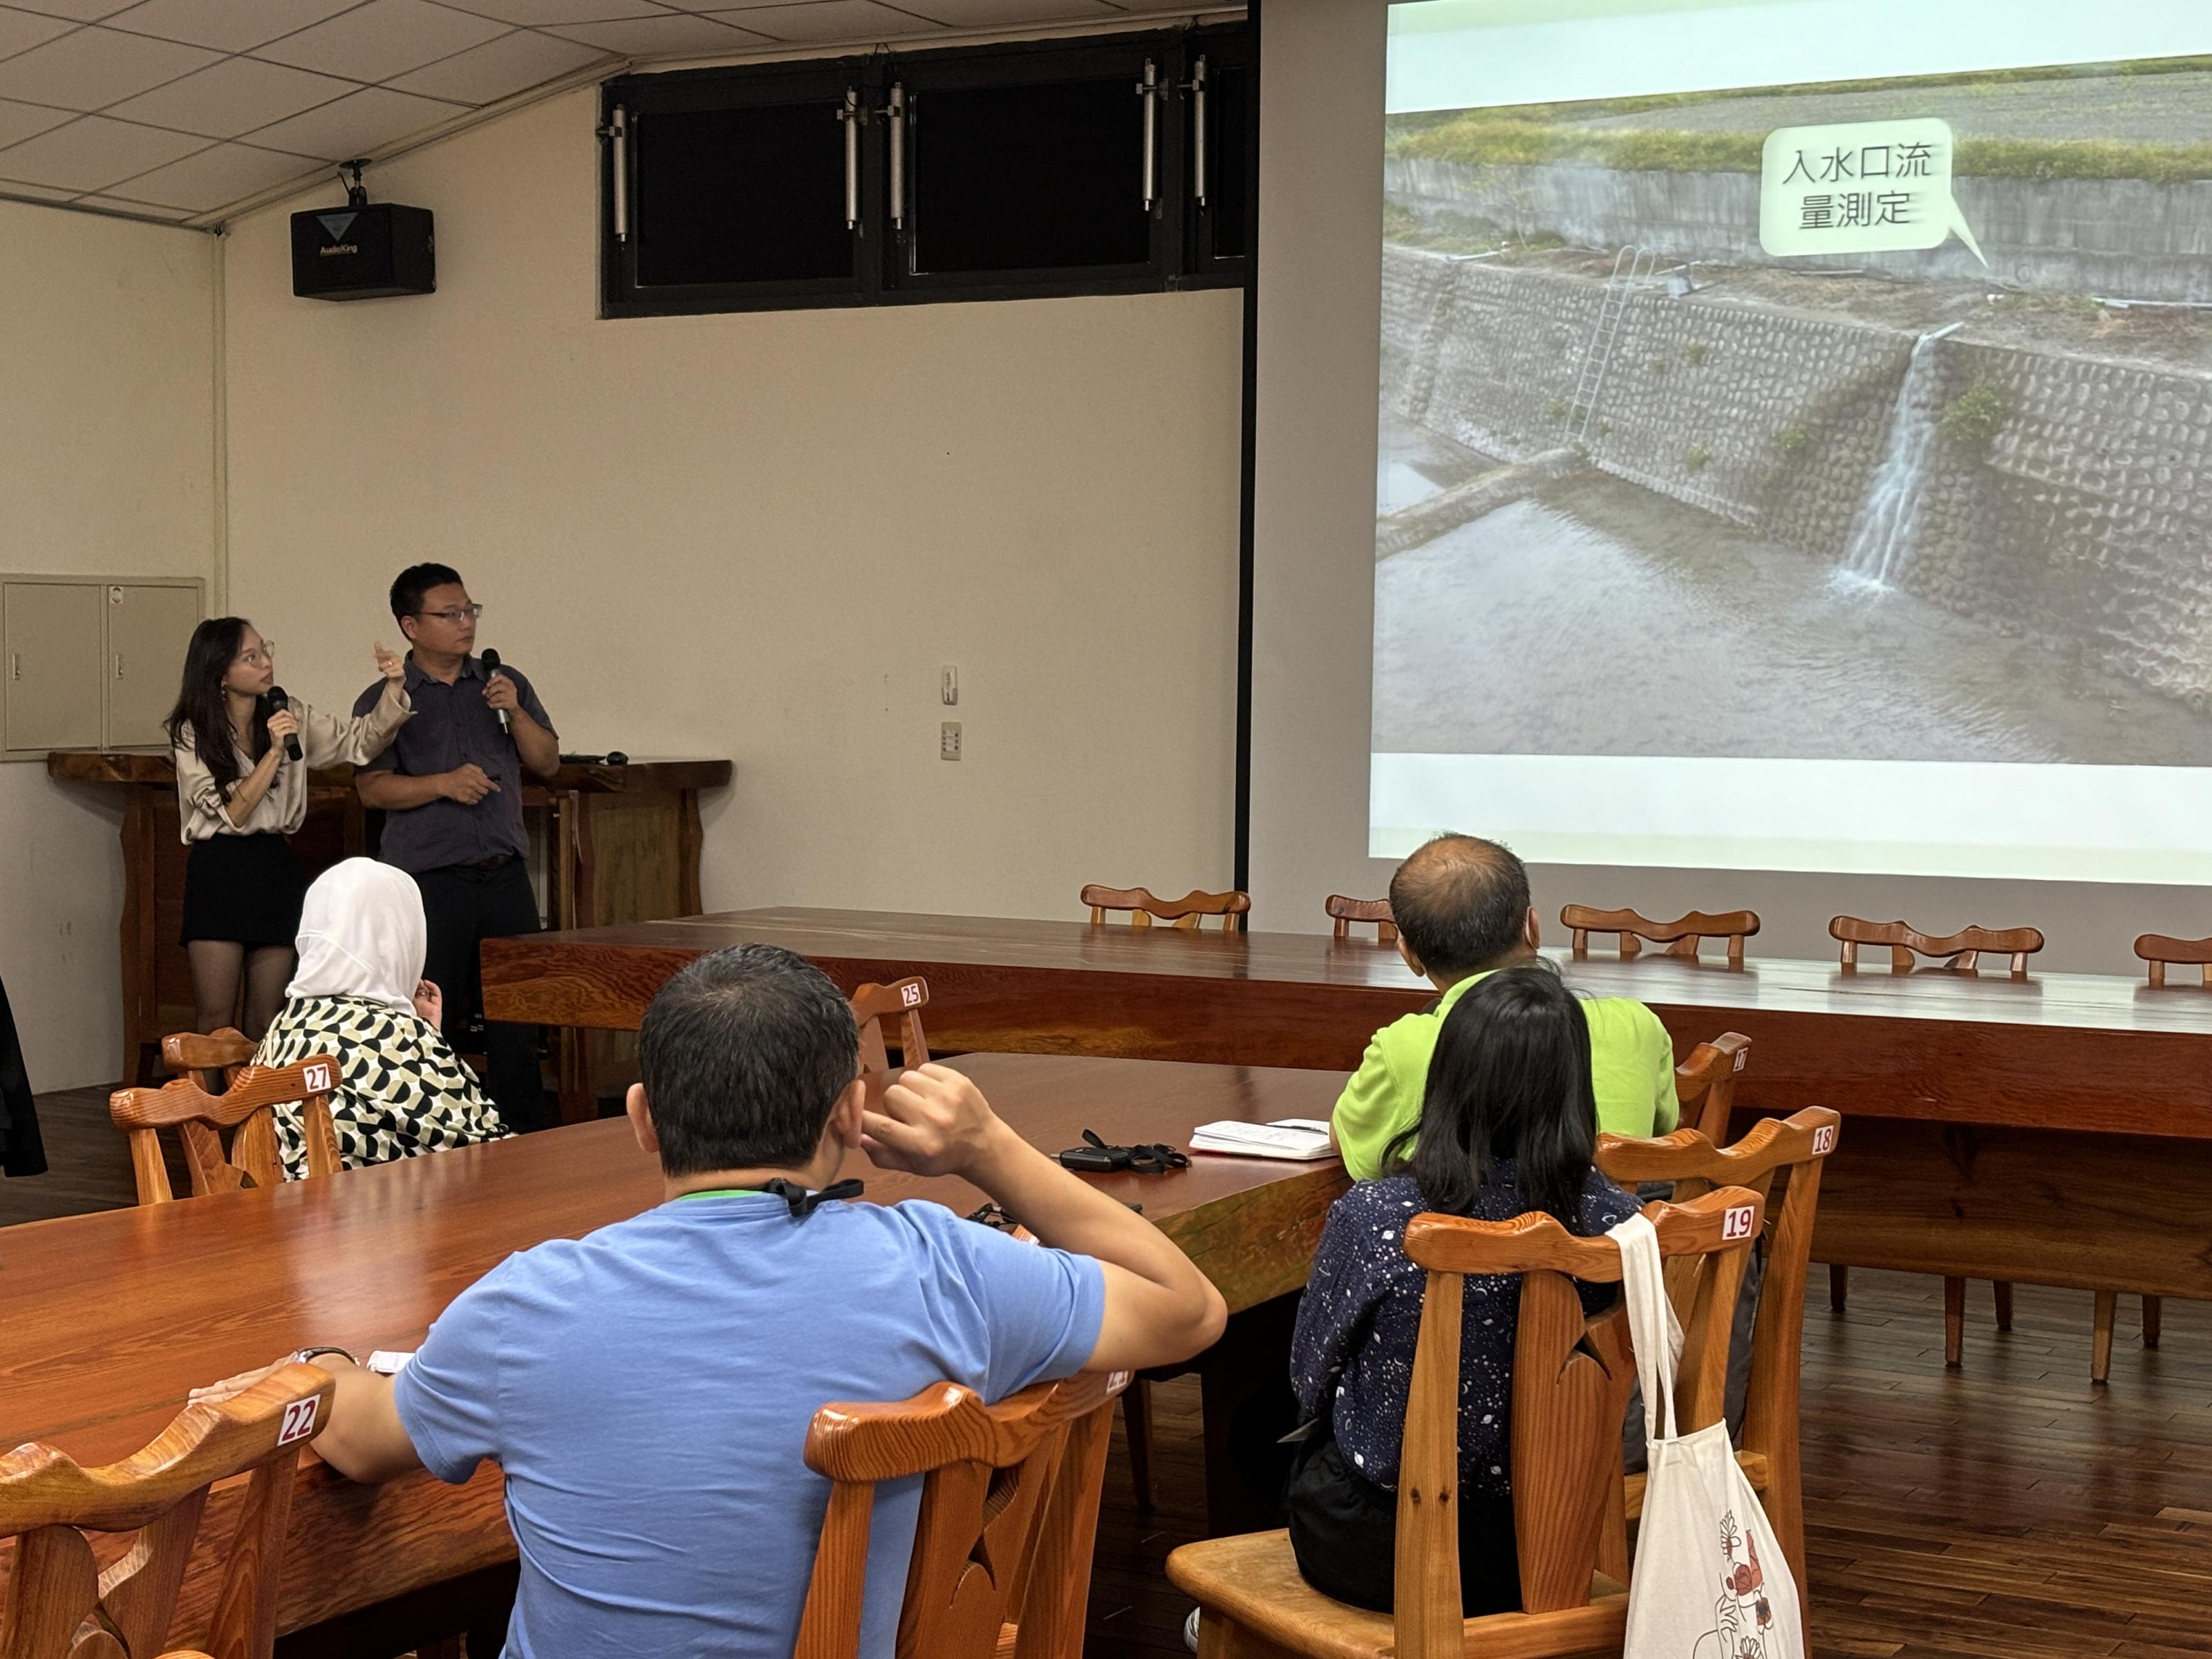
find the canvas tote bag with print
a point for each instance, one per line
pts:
(1710, 1581)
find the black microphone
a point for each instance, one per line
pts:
(278, 701)
(491, 666)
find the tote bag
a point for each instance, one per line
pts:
(1711, 1581)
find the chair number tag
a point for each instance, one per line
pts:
(299, 1420)
(1741, 1055)
(1824, 1140)
(1736, 1221)
(910, 996)
(316, 1078)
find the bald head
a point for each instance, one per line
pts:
(1462, 903)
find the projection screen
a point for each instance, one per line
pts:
(1794, 435)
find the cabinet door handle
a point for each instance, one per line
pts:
(119, 665)
(15, 664)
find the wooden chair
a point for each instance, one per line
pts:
(60, 1603)
(1681, 936)
(901, 1000)
(1343, 912)
(1187, 911)
(2161, 951)
(1572, 1376)
(247, 1109)
(1001, 1560)
(1704, 1083)
(1960, 950)
(1791, 1150)
(211, 1059)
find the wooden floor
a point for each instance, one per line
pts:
(2006, 1511)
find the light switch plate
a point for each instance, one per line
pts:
(948, 740)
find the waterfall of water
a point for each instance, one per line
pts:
(1889, 519)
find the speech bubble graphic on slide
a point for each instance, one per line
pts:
(1859, 187)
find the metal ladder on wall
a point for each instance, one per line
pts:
(1631, 266)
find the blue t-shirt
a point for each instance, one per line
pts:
(648, 1391)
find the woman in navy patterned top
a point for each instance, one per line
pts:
(1508, 1125)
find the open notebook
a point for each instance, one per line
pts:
(1301, 1139)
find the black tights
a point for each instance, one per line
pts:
(217, 966)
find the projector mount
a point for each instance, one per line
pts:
(356, 192)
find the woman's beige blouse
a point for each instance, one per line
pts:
(325, 740)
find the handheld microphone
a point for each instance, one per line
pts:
(277, 702)
(491, 666)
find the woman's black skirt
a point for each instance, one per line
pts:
(243, 888)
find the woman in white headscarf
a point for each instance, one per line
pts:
(360, 994)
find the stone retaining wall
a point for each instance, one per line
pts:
(2086, 520)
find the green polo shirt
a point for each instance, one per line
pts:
(1632, 1074)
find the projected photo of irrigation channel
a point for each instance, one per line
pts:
(1646, 488)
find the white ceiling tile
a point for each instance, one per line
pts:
(992, 14)
(237, 95)
(352, 126)
(226, 25)
(815, 22)
(508, 64)
(216, 178)
(93, 153)
(10, 190)
(539, 12)
(20, 121)
(94, 67)
(381, 40)
(21, 30)
(143, 210)
(664, 36)
(81, 11)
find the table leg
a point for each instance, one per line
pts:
(1253, 1357)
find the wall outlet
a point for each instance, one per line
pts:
(948, 686)
(948, 740)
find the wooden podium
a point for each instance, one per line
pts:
(619, 843)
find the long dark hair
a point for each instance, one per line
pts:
(201, 710)
(1511, 1077)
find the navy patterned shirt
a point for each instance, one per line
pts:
(1352, 1356)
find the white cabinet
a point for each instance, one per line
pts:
(90, 662)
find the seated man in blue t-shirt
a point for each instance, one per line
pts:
(648, 1389)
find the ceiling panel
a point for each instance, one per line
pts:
(667, 37)
(537, 12)
(500, 68)
(226, 25)
(92, 152)
(236, 95)
(21, 30)
(382, 38)
(355, 124)
(226, 172)
(92, 68)
(137, 209)
(80, 11)
(20, 121)
(821, 20)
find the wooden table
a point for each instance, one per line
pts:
(109, 1318)
(2054, 1130)
(621, 843)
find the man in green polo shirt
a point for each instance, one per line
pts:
(1462, 910)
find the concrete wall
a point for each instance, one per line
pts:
(761, 535)
(2086, 520)
(2122, 237)
(107, 465)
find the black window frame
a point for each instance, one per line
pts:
(1181, 257)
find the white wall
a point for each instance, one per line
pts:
(761, 535)
(1321, 223)
(106, 465)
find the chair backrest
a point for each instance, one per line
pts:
(1343, 912)
(247, 1108)
(1571, 1374)
(1009, 1516)
(1189, 911)
(901, 1000)
(1962, 948)
(1791, 1150)
(1704, 1083)
(210, 1058)
(1681, 936)
(47, 1504)
(2160, 950)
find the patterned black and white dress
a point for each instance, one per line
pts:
(401, 1091)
